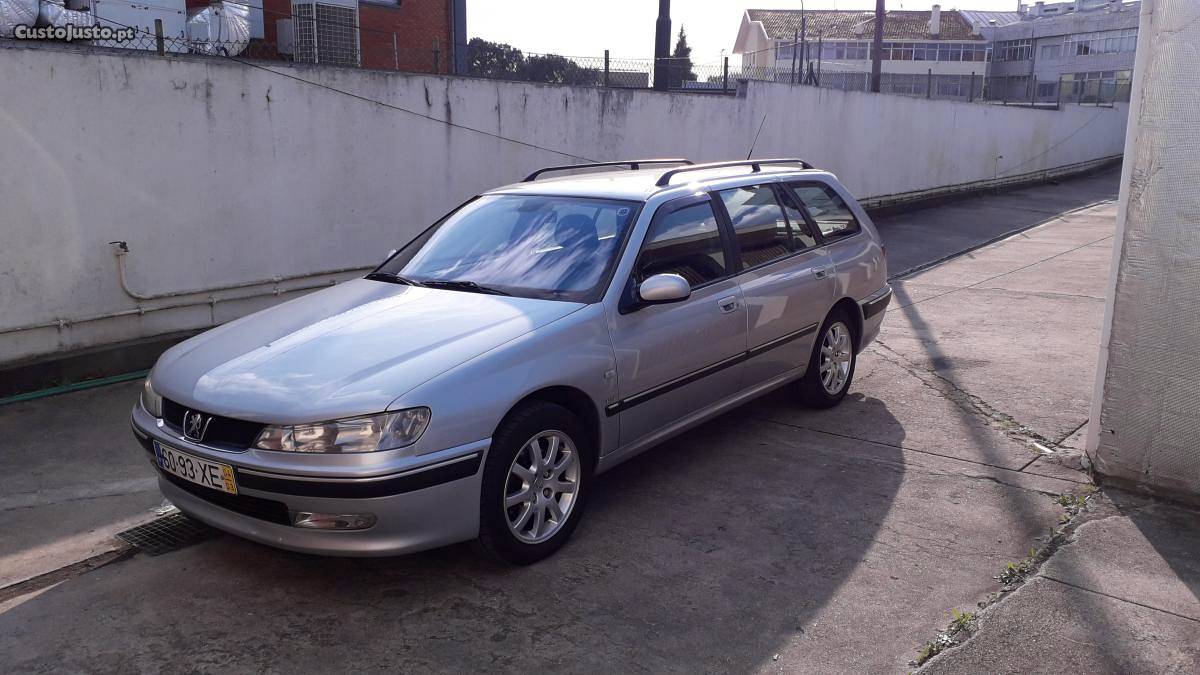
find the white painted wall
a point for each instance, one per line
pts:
(218, 173)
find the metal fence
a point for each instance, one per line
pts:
(1022, 90)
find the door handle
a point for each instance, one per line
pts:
(821, 272)
(728, 304)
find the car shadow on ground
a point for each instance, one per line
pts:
(707, 553)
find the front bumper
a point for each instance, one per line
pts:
(419, 502)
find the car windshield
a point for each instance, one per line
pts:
(527, 245)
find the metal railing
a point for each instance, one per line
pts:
(1022, 90)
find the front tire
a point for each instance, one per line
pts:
(831, 367)
(535, 481)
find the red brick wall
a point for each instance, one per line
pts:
(417, 25)
(274, 10)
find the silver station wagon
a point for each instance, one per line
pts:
(474, 384)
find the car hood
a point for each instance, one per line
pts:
(347, 350)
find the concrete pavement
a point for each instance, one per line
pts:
(1120, 596)
(772, 539)
(70, 479)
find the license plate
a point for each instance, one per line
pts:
(191, 468)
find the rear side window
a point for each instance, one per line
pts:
(827, 209)
(686, 242)
(763, 231)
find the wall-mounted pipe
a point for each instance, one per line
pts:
(121, 249)
(140, 311)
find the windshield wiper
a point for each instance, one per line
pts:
(393, 278)
(463, 285)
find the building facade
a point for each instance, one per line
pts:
(1070, 51)
(935, 53)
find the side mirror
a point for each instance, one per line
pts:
(663, 288)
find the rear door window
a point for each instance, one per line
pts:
(764, 229)
(827, 209)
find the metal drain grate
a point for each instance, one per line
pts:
(166, 534)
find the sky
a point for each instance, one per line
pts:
(626, 27)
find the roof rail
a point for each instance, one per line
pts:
(633, 164)
(665, 179)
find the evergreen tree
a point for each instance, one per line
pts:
(681, 62)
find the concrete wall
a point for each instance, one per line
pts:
(1143, 422)
(217, 173)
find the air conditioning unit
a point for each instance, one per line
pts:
(326, 32)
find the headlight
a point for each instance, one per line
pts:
(151, 401)
(385, 431)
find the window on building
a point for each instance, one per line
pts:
(845, 51)
(1013, 50)
(1101, 42)
(1123, 80)
(1097, 86)
(827, 209)
(1053, 51)
(684, 242)
(1129, 39)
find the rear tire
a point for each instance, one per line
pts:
(831, 366)
(535, 483)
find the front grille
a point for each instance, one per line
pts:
(255, 507)
(221, 430)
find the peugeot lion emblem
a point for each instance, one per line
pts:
(195, 425)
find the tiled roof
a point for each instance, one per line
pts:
(841, 24)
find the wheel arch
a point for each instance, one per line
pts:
(577, 402)
(854, 311)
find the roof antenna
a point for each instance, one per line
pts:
(755, 141)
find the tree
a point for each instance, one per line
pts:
(681, 62)
(494, 60)
(556, 69)
(505, 62)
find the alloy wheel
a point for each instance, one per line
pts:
(542, 487)
(836, 355)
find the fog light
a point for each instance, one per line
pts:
(333, 521)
